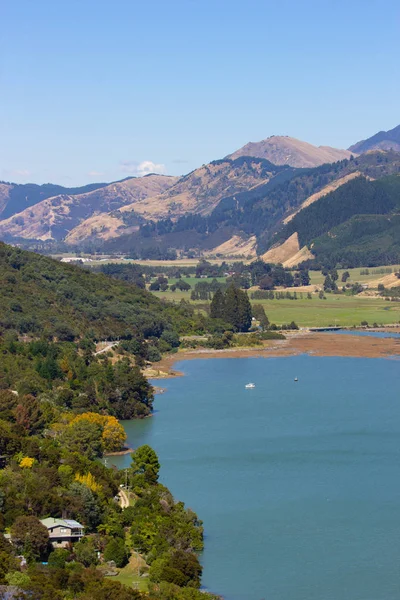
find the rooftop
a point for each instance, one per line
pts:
(51, 522)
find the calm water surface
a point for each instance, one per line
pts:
(298, 484)
(379, 334)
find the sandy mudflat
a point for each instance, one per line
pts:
(316, 344)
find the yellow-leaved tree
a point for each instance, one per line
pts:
(113, 435)
(89, 481)
(26, 462)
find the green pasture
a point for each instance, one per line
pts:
(335, 310)
(355, 274)
(193, 280)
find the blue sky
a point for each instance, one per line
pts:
(99, 90)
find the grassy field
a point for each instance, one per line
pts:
(179, 262)
(355, 275)
(335, 310)
(129, 576)
(193, 280)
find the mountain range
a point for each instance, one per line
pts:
(384, 140)
(285, 150)
(250, 202)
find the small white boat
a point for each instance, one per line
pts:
(250, 386)
(296, 379)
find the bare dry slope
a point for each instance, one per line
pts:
(285, 150)
(236, 246)
(288, 253)
(198, 192)
(54, 217)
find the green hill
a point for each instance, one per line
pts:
(43, 297)
(358, 224)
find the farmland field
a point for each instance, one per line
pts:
(335, 310)
(355, 274)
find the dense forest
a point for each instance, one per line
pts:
(43, 297)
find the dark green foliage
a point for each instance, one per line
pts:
(217, 307)
(345, 276)
(30, 537)
(233, 306)
(58, 558)
(362, 240)
(64, 301)
(131, 273)
(160, 525)
(357, 224)
(259, 314)
(84, 438)
(180, 568)
(145, 463)
(358, 196)
(116, 550)
(85, 383)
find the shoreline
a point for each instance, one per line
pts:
(313, 344)
(119, 452)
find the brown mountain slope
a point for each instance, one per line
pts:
(235, 246)
(289, 253)
(54, 217)
(198, 193)
(285, 150)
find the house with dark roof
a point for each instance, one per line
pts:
(63, 532)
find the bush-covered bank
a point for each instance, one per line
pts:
(60, 402)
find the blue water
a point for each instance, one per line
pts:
(298, 484)
(363, 332)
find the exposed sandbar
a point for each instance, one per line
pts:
(315, 344)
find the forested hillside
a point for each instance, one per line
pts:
(60, 401)
(43, 297)
(355, 225)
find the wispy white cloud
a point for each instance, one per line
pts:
(143, 168)
(17, 172)
(95, 173)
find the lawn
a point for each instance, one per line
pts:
(129, 576)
